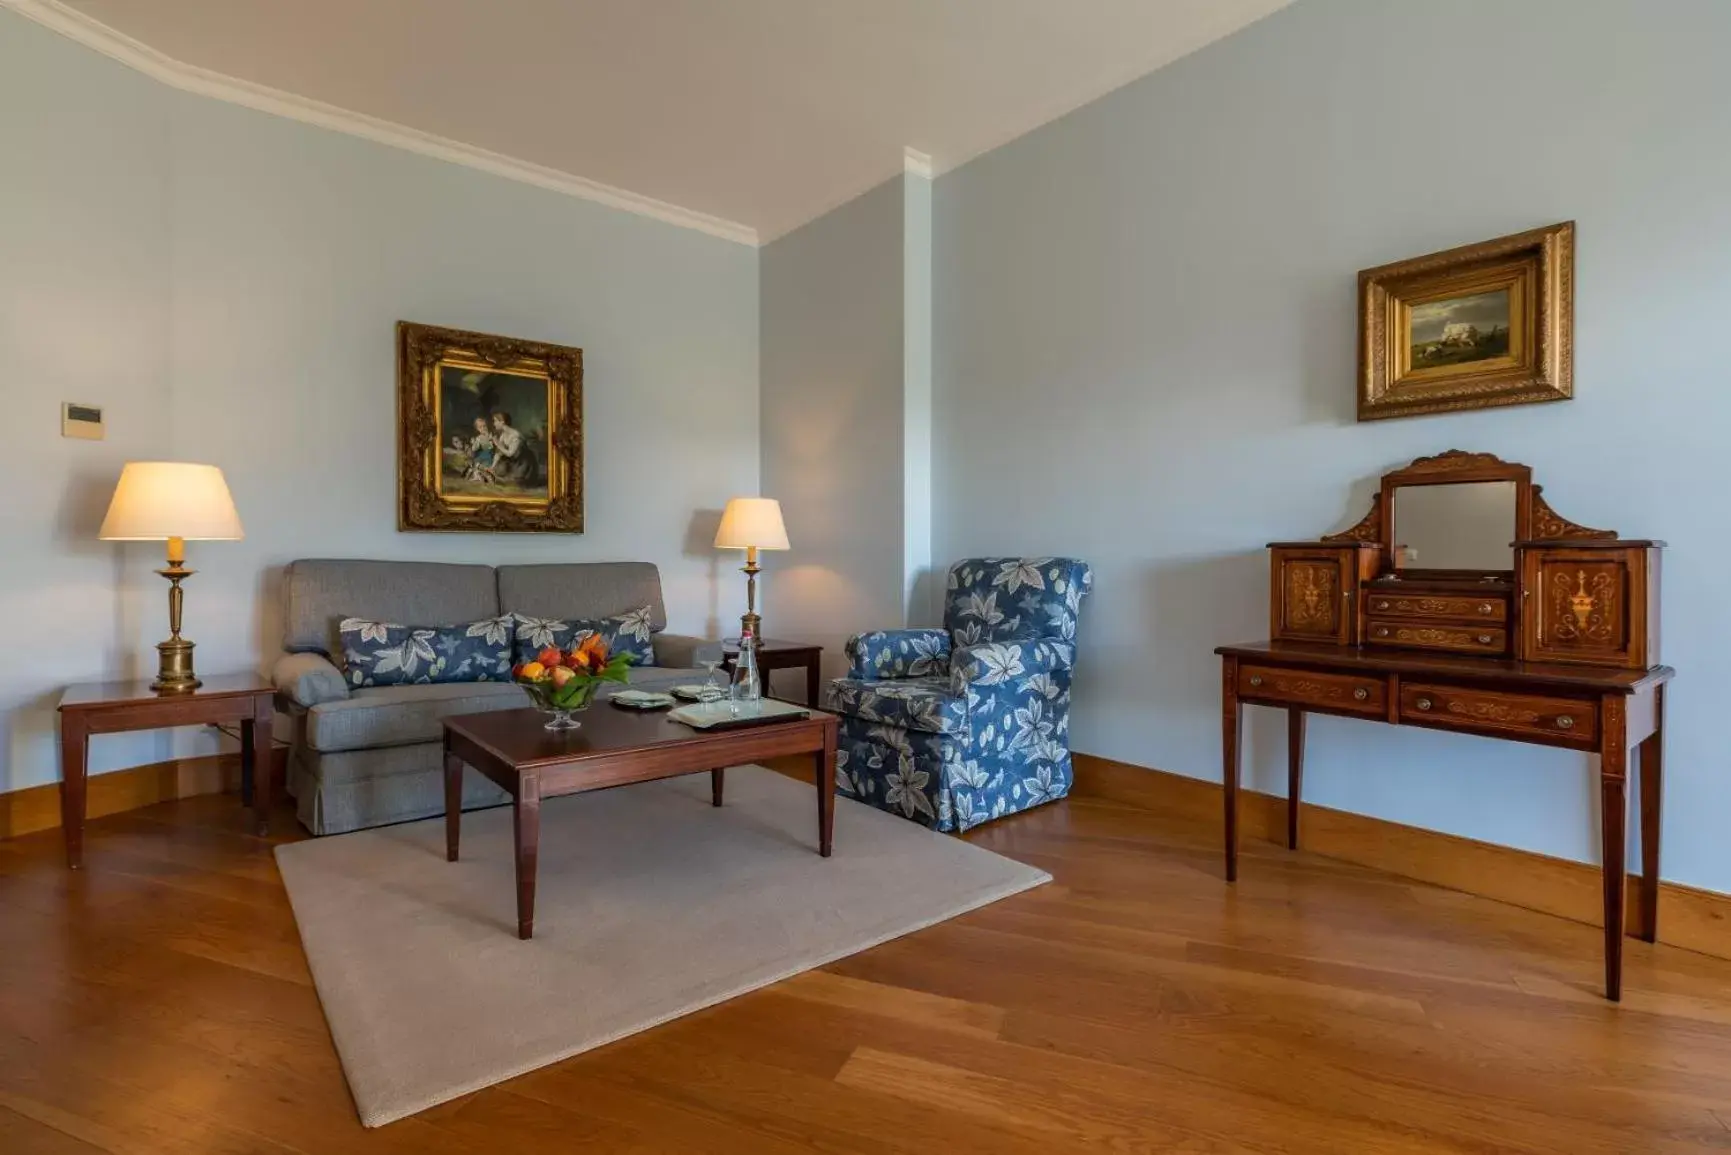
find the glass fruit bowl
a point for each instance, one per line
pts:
(561, 702)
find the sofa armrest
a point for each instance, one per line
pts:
(886, 654)
(308, 679)
(993, 663)
(683, 652)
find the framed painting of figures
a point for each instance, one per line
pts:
(1486, 324)
(489, 433)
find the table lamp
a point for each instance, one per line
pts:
(751, 524)
(172, 501)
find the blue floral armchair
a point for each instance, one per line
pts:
(956, 726)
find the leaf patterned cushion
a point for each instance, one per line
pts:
(386, 654)
(625, 633)
(994, 599)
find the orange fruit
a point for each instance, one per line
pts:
(531, 671)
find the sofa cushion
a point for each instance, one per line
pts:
(624, 633)
(385, 654)
(318, 593)
(923, 704)
(581, 590)
(399, 715)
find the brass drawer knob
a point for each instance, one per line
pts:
(1565, 723)
(1382, 605)
(1382, 631)
(1256, 679)
(1361, 693)
(1423, 703)
(1486, 608)
(1484, 639)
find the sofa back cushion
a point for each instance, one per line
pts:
(318, 593)
(583, 591)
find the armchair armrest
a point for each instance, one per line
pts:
(308, 679)
(684, 652)
(886, 654)
(993, 663)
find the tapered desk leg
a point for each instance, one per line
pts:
(1294, 772)
(453, 805)
(1652, 816)
(1613, 818)
(526, 821)
(74, 763)
(1230, 729)
(825, 780)
(717, 780)
(811, 684)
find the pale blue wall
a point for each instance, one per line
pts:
(832, 416)
(1144, 356)
(228, 283)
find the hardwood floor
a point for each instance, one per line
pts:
(159, 1002)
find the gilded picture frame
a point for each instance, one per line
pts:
(489, 433)
(1469, 328)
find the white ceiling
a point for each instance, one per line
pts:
(762, 112)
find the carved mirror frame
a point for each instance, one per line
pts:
(1535, 520)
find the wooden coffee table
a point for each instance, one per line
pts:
(615, 747)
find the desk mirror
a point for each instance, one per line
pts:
(1459, 526)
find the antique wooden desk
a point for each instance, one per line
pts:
(1551, 639)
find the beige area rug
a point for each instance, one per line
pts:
(650, 904)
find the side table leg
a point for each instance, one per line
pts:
(812, 677)
(453, 804)
(526, 820)
(74, 764)
(717, 779)
(255, 750)
(825, 781)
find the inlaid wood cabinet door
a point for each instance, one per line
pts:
(1311, 599)
(1589, 605)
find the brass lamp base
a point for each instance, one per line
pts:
(752, 623)
(174, 663)
(174, 672)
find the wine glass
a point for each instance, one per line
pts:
(712, 691)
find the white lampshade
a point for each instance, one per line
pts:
(751, 521)
(158, 500)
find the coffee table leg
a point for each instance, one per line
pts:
(717, 778)
(826, 792)
(453, 804)
(526, 816)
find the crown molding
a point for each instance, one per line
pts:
(116, 45)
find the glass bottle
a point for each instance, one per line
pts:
(745, 689)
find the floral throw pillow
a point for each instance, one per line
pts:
(626, 633)
(385, 654)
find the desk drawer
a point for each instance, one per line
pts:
(1459, 608)
(1458, 638)
(1554, 719)
(1351, 693)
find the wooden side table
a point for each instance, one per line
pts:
(112, 707)
(773, 655)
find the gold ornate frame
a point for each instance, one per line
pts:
(421, 504)
(1538, 269)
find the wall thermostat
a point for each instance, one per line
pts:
(83, 421)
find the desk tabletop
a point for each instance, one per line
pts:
(1462, 666)
(89, 694)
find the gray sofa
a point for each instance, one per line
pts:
(367, 757)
